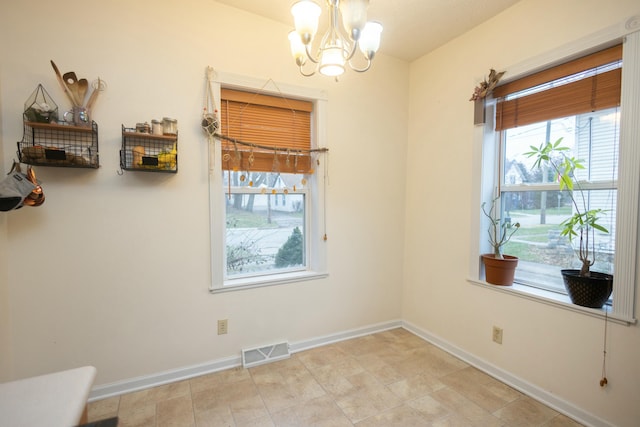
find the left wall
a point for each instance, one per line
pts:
(113, 270)
(5, 330)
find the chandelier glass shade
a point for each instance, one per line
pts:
(341, 40)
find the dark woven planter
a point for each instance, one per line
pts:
(590, 292)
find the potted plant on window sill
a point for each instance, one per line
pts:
(499, 269)
(585, 287)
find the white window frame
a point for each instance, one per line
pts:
(486, 172)
(315, 198)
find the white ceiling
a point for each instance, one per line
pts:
(412, 28)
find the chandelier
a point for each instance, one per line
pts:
(340, 42)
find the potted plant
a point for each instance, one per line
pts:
(585, 287)
(499, 269)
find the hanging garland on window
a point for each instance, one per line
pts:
(236, 160)
(275, 150)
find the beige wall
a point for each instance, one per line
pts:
(5, 330)
(122, 268)
(553, 349)
(113, 270)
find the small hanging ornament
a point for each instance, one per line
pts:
(210, 121)
(237, 158)
(250, 162)
(227, 158)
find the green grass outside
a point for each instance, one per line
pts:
(238, 218)
(563, 210)
(520, 243)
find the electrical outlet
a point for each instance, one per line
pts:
(497, 335)
(222, 327)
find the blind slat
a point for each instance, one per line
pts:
(591, 94)
(247, 98)
(593, 60)
(284, 124)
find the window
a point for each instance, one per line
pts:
(580, 101)
(531, 197)
(267, 187)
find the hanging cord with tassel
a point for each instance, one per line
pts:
(603, 380)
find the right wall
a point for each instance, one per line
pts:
(555, 351)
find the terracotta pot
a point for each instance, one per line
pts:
(499, 271)
(590, 292)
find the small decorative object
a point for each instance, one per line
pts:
(481, 92)
(143, 127)
(167, 159)
(138, 153)
(76, 91)
(486, 87)
(210, 121)
(40, 107)
(169, 126)
(585, 287)
(78, 116)
(156, 127)
(499, 268)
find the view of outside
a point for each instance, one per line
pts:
(531, 196)
(265, 223)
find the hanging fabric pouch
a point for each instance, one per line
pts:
(18, 189)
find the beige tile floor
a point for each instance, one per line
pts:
(391, 378)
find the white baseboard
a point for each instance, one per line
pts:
(519, 384)
(160, 378)
(535, 392)
(154, 380)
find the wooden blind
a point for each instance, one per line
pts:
(281, 124)
(593, 93)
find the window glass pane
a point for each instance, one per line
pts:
(539, 245)
(593, 138)
(265, 223)
(531, 196)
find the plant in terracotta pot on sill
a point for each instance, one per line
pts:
(585, 287)
(499, 269)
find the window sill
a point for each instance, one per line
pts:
(270, 280)
(553, 299)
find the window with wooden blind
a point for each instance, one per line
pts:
(268, 207)
(590, 103)
(577, 101)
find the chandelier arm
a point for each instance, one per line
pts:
(361, 70)
(309, 55)
(306, 74)
(353, 49)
